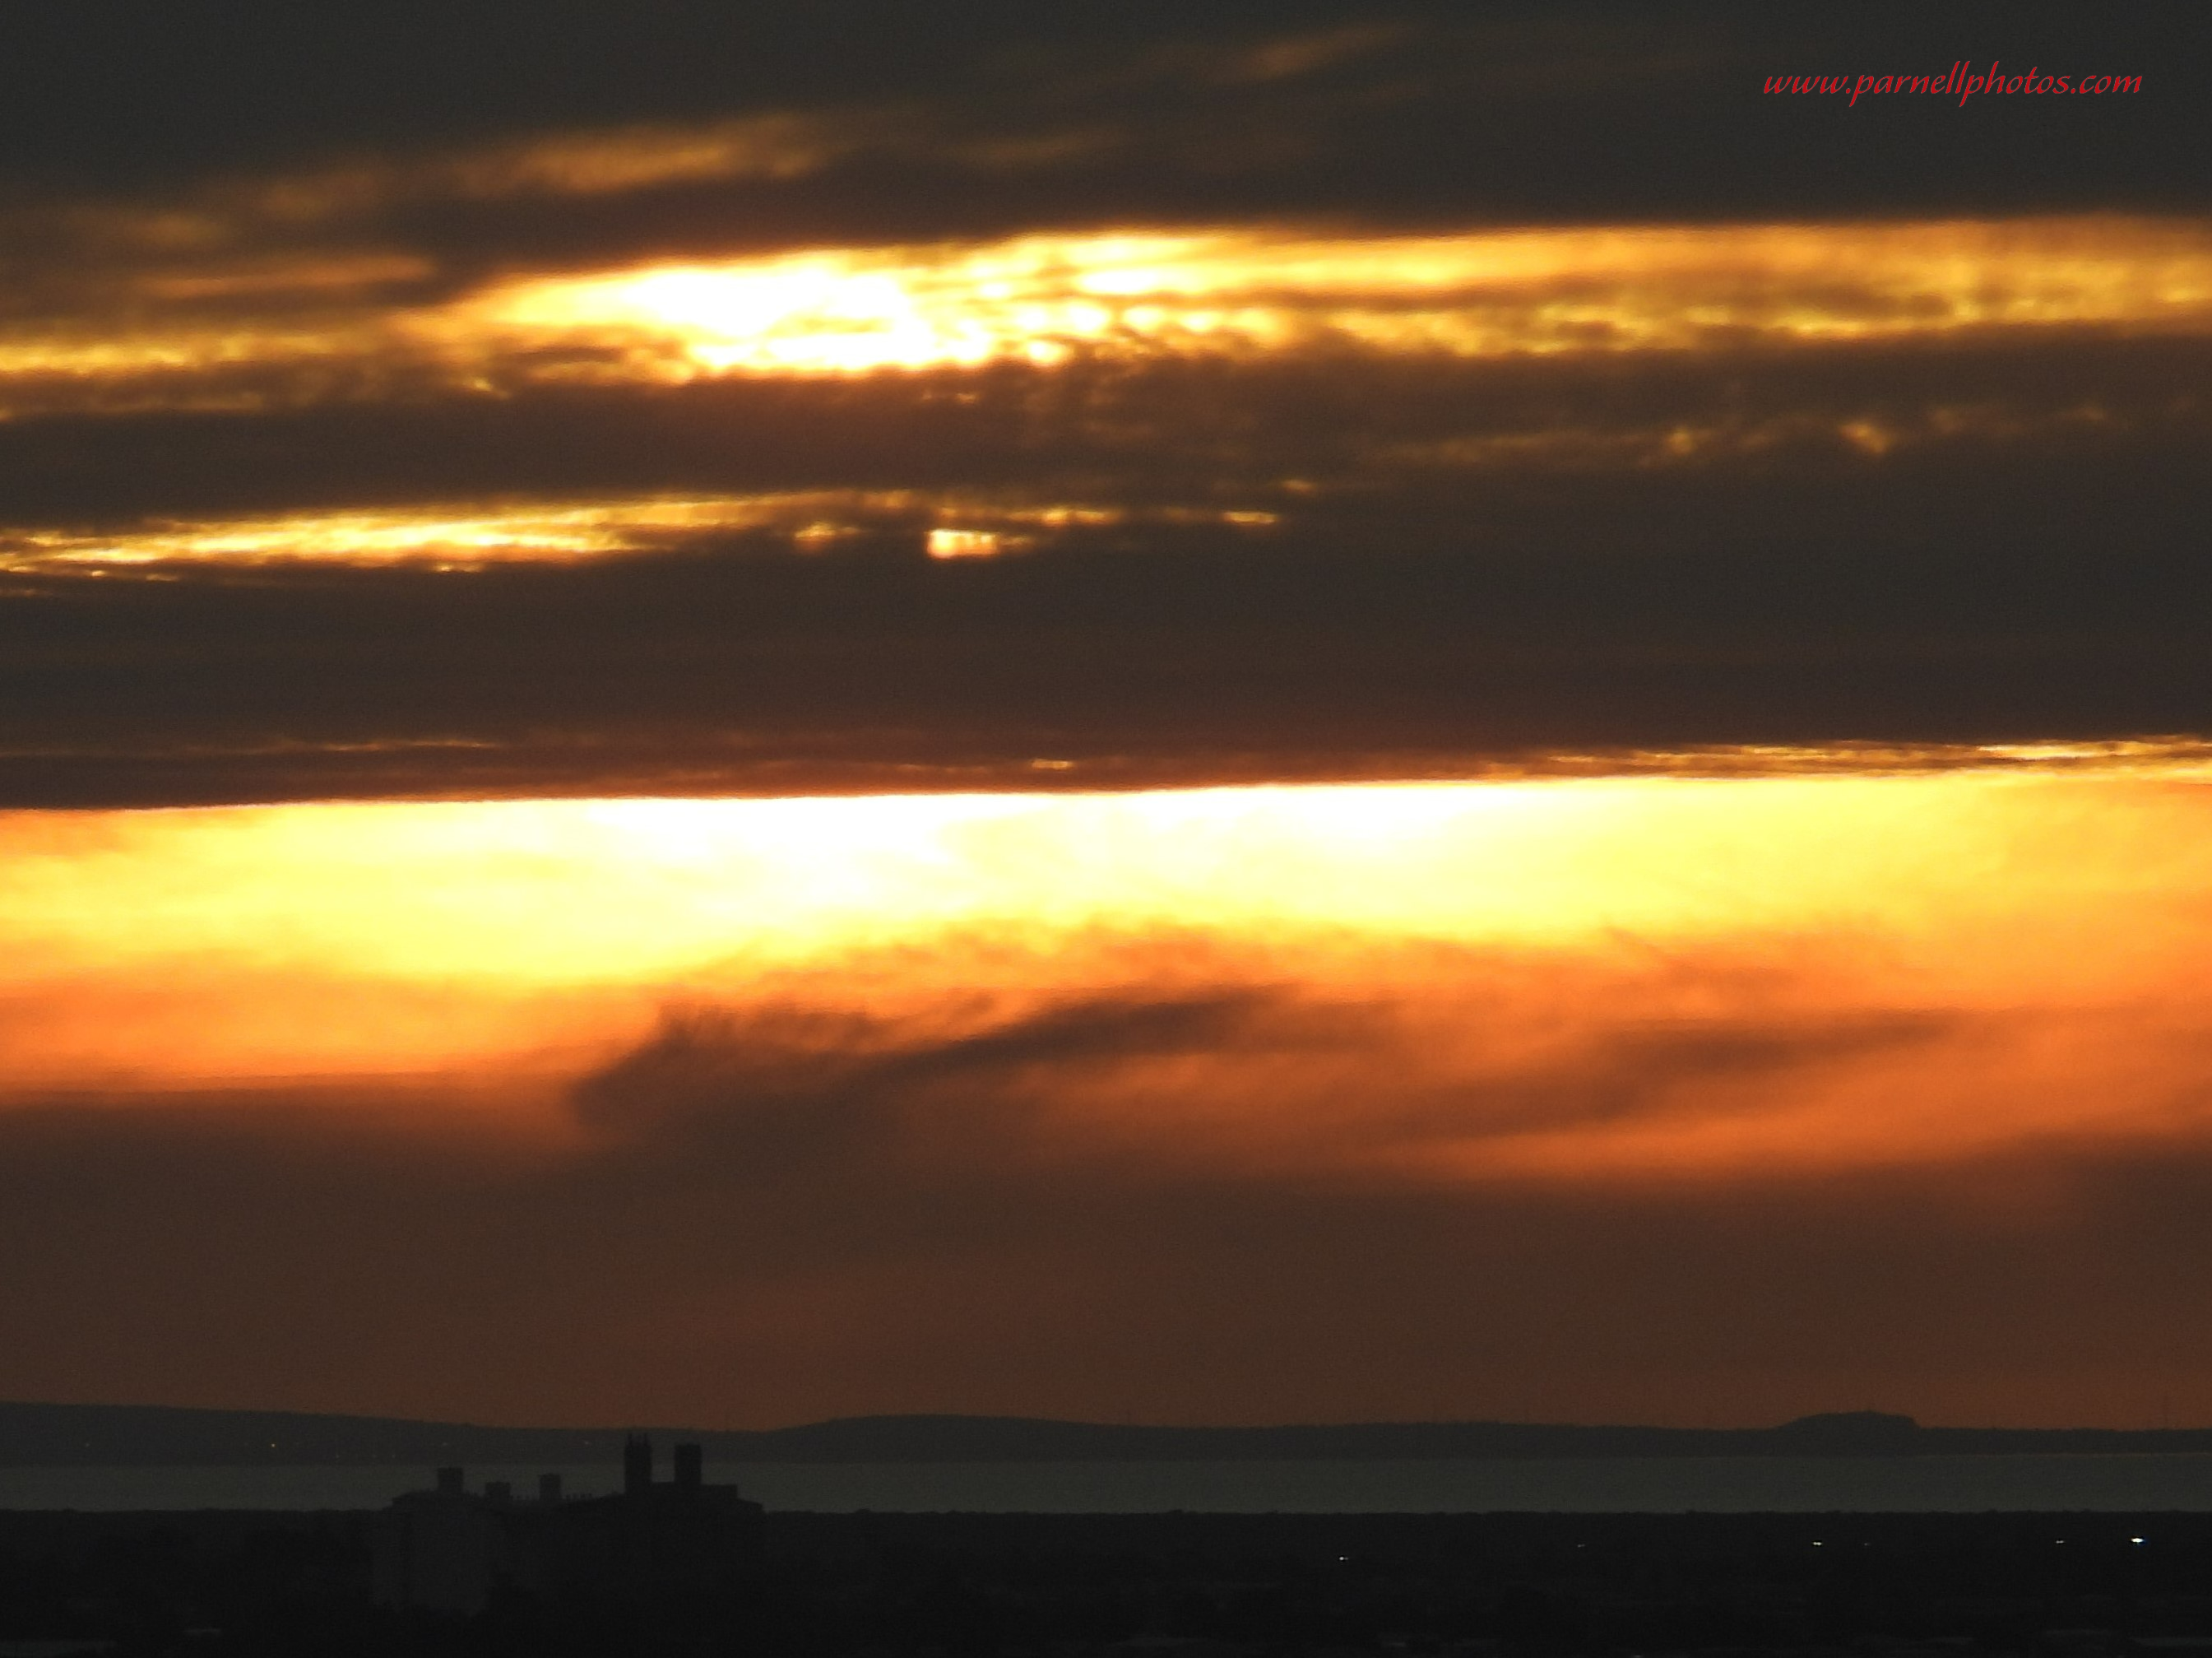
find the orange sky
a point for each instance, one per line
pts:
(737, 713)
(1637, 990)
(268, 947)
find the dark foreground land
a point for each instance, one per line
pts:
(2062, 1586)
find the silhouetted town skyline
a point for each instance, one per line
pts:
(448, 1549)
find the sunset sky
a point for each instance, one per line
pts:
(1219, 712)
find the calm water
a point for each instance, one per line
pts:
(1592, 1486)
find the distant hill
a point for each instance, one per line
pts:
(85, 1435)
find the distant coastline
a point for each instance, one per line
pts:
(106, 1436)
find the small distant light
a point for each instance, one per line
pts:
(1816, 1542)
(2135, 1540)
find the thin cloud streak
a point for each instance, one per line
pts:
(843, 117)
(467, 536)
(1968, 596)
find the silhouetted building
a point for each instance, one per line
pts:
(433, 1549)
(446, 1549)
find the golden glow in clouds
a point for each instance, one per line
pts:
(1043, 300)
(1761, 975)
(469, 536)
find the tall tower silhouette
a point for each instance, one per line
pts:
(637, 1466)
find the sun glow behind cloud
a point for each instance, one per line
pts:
(1814, 971)
(1041, 299)
(149, 337)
